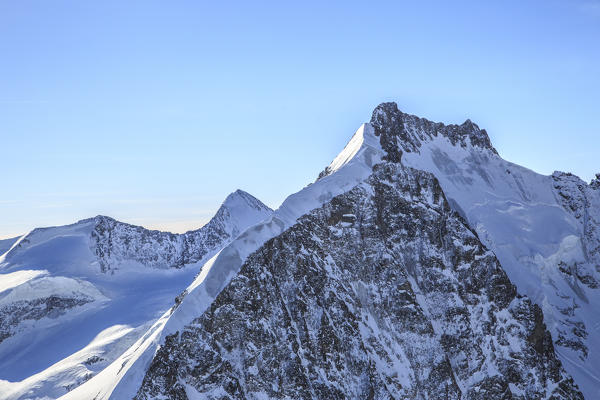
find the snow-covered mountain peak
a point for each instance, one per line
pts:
(110, 244)
(545, 230)
(241, 199)
(239, 211)
(400, 132)
(363, 148)
(361, 278)
(62, 287)
(102, 218)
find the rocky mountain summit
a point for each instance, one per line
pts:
(399, 131)
(543, 229)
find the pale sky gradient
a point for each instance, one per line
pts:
(153, 111)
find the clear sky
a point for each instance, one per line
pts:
(153, 111)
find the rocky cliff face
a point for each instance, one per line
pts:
(115, 242)
(399, 131)
(545, 230)
(41, 299)
(582, 201)
(383, 292)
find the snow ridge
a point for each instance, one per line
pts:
(61, 287)
(118, 245)
(383, 292)
(117, 382)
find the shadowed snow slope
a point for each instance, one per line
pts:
(74, 298)
(6, 244)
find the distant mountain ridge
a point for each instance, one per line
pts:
(115, 243)
(63, 286)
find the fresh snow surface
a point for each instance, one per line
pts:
(6, 244)
(65, 268)
(17, 278)
(237, 204)
(50, 355)
(45, 286)
(74, 368)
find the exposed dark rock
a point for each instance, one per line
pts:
(15, 313)
(114, 242)
(401, 300)
(595, 183)
(399, 131)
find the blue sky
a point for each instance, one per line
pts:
(152, 112)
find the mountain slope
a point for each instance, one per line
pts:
(6, 244)
(64, 290)
(543, 229)
(114, 245)
(122, 378)
(186, 335)
(383, 292)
